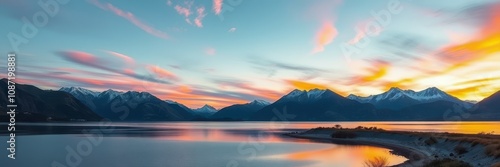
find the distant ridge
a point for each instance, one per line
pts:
(80, 104)
(396, 98)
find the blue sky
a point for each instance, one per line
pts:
(221, 52)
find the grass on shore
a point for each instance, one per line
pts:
(490, 141)
(377, 162)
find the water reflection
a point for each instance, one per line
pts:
(342, 156)
(214, 143)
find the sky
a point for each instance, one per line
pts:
(223, 52)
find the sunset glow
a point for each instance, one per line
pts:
(221, 53)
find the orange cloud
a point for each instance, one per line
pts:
(217, 6)
(302, 85)
(380, 70)
(486, 42)
(324, 37)
(376, 71)
(185, 89)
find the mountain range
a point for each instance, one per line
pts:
(397, 99)
(129, 106)
(34, 104)
(240, 111)
(74, 103)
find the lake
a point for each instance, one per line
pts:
(183, 144)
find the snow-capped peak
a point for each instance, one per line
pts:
(205, 109)
(295, 93)
(316, 93)
(137, 95)
(171, 102)
(303, 95)
(428, 95)
(79, 91)
(110, 94)
(260, 102)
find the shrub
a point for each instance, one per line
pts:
(460, 150)
(344, 134)
(493, 150)
(447, 162)
(377, 162)
(431, 141)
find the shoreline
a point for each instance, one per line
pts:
(419, 148)
(415, 157)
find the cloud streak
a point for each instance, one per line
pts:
(90, 60)
(217, 6)
(131, 18)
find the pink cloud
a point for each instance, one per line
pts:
(217, 6)
(324, 37)
(125, 58)
(182, 11)
(359, 35)
(90, 60)
(131, 18)
(210, 51)
(80, 57)
(199, 18)
(160, 72)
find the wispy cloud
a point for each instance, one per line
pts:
(90, 60)
(199, 18)
(183, 11)
(324, 37)
(361, 29)
(217, 6)
(378, 70)
(485, 42)
(271, 68)
(233, 29)
(131, 18)
(160, 72)
(127, 59)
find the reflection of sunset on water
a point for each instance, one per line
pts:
(342, 156)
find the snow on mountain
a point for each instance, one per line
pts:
(260, 102)
(77, 91)
(205, 109)
(303, 95)
(395, 94)
(294, 94)
(109, 95)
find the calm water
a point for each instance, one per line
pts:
(203, 144)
